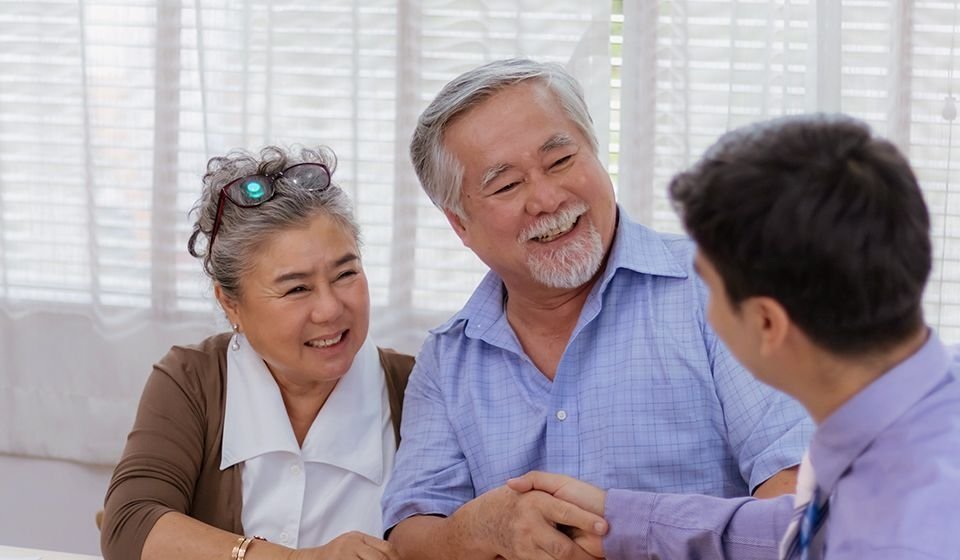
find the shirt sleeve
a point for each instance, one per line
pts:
(430, 475)
(888, 553)
(767, 431)
(160, 464)
(645, 525)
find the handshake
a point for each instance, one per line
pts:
(536, 516)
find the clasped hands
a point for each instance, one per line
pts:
(541, 516)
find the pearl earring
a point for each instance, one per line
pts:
(235, 345)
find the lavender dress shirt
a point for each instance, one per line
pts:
(889, 459)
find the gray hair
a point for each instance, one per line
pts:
(244, 230)
(438, 170)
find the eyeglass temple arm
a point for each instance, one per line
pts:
(216, 221)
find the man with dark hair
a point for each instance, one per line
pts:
(813, 240)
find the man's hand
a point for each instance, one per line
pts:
(580, 494)
(524, 526)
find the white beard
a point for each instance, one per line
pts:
(570, 266)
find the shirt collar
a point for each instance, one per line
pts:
(635, 247)
(642, 250)
(346, 433)
(853, 427)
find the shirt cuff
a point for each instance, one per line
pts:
(628, 515)
(394, 515)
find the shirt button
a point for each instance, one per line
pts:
(284, 537)
(561, 415)
(295, 469)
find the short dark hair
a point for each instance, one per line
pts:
(820, 215)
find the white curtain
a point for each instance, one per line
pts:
(691, 69)
(109, 111)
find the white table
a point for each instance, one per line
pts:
(8, 552)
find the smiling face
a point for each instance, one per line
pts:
(538, 205)
(305, 305)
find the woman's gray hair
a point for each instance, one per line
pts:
(438, 170)
(243, 231)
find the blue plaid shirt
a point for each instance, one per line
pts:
(645, 397)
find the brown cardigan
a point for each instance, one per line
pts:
(172, 458)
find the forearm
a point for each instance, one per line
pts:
(784, 482)
(178, 536)
(426, 537)
(645, 525)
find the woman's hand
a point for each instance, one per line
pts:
(350, 546)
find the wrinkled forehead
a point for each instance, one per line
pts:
(521, 117)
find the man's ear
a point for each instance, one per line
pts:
(772, 324)
(457, 223)
(228, 304)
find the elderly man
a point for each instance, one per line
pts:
(817, 286)
(584, 351)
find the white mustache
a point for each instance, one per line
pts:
(558, 220)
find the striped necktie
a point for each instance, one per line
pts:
(801, 542)
(813, 517)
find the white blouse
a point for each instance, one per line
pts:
(305, 497)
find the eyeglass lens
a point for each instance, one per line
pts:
(251, 191)
(254, 190)
(312, 176)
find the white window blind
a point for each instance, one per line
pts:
(75, 149)
(702, 67)
(134, 97)
(109, 110)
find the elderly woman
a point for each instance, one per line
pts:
(286, 428)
